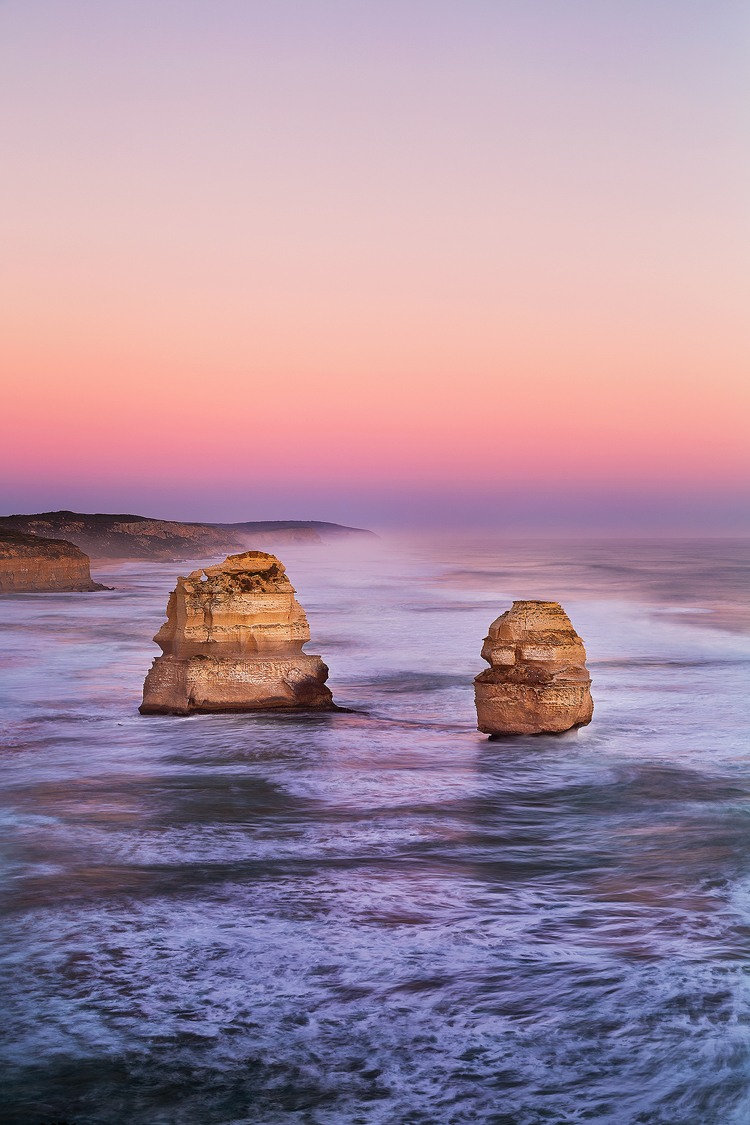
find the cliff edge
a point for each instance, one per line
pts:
(31, 564)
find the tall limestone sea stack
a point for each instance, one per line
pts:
(233, 642)
(537, 681)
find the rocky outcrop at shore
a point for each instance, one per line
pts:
(127, 536)
(31, 564)
(233, 642)
(537, 681)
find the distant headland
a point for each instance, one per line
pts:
(322, 530)
(126, 536)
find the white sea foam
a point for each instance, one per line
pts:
(381, 916)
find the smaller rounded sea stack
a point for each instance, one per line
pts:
(233, 641)
(537, 682)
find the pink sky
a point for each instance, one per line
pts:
(392, 262)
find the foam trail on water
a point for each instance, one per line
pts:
(381, 916)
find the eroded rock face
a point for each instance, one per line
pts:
(233, 641)
(31, 564)
(537, 681)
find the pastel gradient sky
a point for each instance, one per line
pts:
(385, 262)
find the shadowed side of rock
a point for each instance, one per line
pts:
(233, 641)
(537, 681)
(30, 564)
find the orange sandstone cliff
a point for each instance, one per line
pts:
(233, 642)
(31, 564)
(537, 681)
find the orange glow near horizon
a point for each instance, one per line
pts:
(491, 249)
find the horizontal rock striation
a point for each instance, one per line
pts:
(233, 641)
(537, 681)
(127, 536)
(31, 564)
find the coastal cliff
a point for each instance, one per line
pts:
(104, 536)
(233, 641)
(537, 681)
(31, 564)
(127, 536)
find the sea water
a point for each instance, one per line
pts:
(381, 916)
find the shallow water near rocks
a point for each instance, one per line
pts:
(382, 916)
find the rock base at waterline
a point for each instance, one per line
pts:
(504, 708)
(202, 683)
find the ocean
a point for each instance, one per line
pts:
(380, 916)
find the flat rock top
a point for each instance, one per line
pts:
(248, 562)
(18, 545)
(531, 617)
(246, 573)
